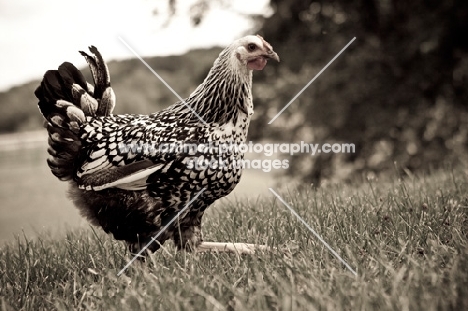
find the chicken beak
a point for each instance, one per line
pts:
(272, 55)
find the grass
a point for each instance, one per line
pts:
(407, 240)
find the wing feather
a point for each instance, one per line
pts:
(116, 152)
(131, 176)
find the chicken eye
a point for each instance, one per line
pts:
(251, 47)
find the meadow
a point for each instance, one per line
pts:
(406, 237)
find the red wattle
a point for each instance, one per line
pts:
(257, 64)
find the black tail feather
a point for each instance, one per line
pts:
(99, 71)
(65, 100)
(101, 78)
(71, 75)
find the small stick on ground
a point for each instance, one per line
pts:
(240, 248)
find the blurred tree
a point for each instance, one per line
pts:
(197, 10)
(398, 93)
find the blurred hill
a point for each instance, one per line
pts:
(137, 89)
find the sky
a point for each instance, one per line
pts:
(40, 35)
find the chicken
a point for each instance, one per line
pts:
(119, 177)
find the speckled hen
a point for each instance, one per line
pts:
(119, 178)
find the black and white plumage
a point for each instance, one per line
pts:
(134, 193)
